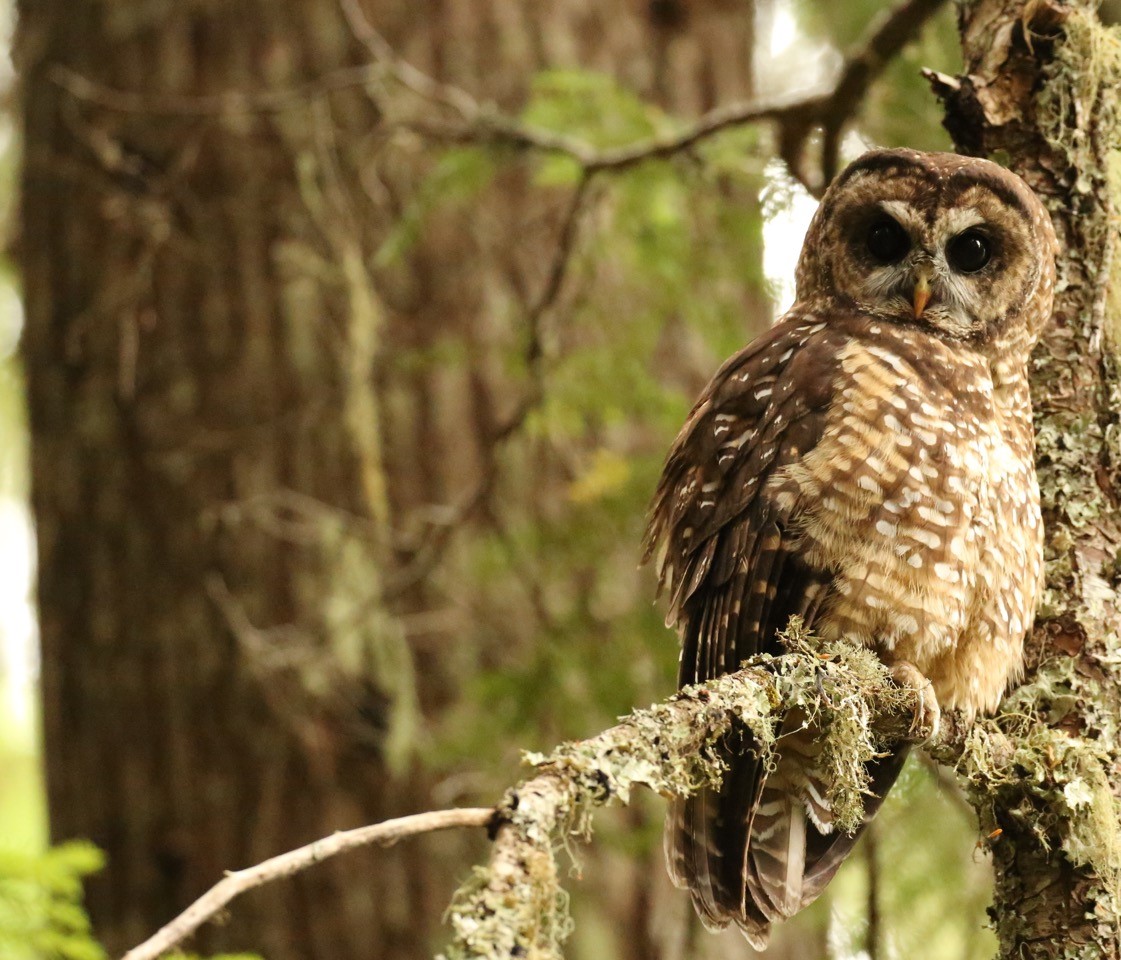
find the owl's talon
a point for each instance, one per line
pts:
(928, 714)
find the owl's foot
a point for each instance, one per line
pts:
(928, 714)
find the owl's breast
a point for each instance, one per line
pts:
(917, 502)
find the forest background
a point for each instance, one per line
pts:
(365, 409)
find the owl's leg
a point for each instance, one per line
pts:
(927, 714)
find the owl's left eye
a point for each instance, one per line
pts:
(969, 251)
(887, 241)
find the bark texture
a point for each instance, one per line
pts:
(206, 472)
(1040, 91)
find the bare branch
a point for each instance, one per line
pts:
(897, 28)
(288, 864)
(404, 72)
(432, 549)
(796, 118)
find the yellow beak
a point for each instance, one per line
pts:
(921, 296)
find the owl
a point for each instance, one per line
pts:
(866, 465)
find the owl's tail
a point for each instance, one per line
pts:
(763, 846)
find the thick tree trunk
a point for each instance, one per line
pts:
(221, 680)
(1041, 90)
(206, 476)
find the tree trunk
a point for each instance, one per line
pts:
(211, 506)
(1041, 90)
(222, 679)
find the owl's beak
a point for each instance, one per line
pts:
(921, 295)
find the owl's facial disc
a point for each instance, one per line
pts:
(937, 271)
(977, 234)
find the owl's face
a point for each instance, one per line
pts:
(956, 244)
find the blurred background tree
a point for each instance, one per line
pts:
(343, 427)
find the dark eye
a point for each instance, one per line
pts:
(969, 251)
(887, 241)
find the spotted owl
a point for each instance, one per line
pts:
(866, 465)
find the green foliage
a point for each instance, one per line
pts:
(899, 110)
(41, 914)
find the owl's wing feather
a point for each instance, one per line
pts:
(727, 555)
(762, 846)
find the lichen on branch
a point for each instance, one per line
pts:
(515, 906)
(1054, 782)
(1013, 764)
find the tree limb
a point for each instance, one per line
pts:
(670, 748)
(796, 118)
(287, 864)
(515, 906)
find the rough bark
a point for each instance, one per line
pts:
(206, 474)
(1040, 91)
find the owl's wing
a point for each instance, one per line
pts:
(761, 847)
(723, 549)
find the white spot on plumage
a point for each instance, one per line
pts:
(945, 571)
(865, 482)
(926, 537)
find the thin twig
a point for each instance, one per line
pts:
(795, 117)
(287, 864)
(435, 545)
(229, 103)
(404, 72)
(948, 785)
(875, 939)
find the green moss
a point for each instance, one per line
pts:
(1045, 789)
(674, 749)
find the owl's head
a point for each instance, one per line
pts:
(955, 244)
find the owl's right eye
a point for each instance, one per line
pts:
(887, 241)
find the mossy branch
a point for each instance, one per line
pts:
(515, 906)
